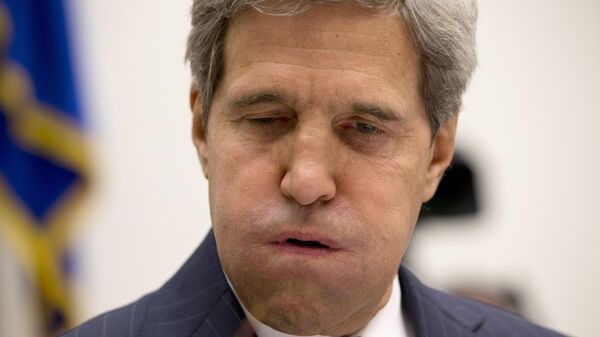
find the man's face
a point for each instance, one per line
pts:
(318, 156)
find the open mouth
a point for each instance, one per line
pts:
(305, 244)
(308, 244)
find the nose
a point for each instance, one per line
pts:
(311, 168)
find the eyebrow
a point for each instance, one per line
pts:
(276, 97)
(261, 97)
(381, 113)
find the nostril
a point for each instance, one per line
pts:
(307, 183)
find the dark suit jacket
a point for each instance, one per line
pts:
(197, 302)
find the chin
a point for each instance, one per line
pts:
(301, 319)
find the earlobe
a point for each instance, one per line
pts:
(441, 154)
(198, 130)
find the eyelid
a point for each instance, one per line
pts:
(379, 112)
(265, 121)
(353, 125)
(262, 97)
(268, 114)
(261, 119)
(265, 108)
(354, 118)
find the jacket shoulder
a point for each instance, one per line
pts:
(195, 296)
(435, 313)
(483, 319)
(124, 321)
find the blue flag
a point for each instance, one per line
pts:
(43, 164)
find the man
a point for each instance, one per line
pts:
(321, 127)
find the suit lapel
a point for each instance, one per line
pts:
(433, 313)
(224, 320)
(197, 301)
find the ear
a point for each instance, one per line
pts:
(198, 133)
(442, 150)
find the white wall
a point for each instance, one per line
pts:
(149, 209)
(530, 124)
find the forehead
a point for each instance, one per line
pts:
(323, 28)
(343, 42)
(324, 19)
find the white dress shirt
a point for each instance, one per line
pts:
(389, 321)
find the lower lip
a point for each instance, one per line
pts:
(292, 249)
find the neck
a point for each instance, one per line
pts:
(361, 318)
(358, 321)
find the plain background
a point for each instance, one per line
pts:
(530, 126)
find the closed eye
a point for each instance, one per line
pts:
(267, 127)
(267, 120)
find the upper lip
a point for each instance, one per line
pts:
(306, 236)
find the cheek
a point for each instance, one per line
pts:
(388, 197)
(241, 181)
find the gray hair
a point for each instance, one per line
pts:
(443, 30)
